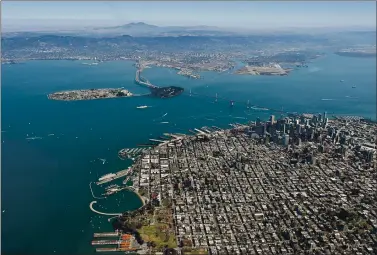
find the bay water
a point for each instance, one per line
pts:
(45, 182)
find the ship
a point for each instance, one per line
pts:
(106, 176)
(142, 107)
(353, 87)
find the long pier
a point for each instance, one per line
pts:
(105, 242)
(117, 176)
(106, 234)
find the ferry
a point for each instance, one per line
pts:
(142, 107)
(106, 176)
(257, 108)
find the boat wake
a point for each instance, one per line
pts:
(103, 160)
(34, 138)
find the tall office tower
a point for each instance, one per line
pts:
(284, 128)
(264, 129)
(324, 115)
(258, 122)
(302, 120)
(314, 119)
(272, 119)
(285, 140)
(298, 129)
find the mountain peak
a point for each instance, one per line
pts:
(138, 24)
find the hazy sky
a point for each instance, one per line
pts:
(37, 15)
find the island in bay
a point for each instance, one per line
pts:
(89, 94)
(273, 69)
(361, 52)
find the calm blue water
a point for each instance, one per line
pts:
(45, 183)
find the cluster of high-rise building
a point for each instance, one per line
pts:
(303, 184)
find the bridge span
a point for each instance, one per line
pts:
(142, 81)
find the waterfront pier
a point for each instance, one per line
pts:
(117, 176)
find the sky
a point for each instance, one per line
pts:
(244, 14)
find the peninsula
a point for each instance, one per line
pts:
(89, 94)
(303, 184)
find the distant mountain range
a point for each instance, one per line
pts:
(143, 29)
(138, 29)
